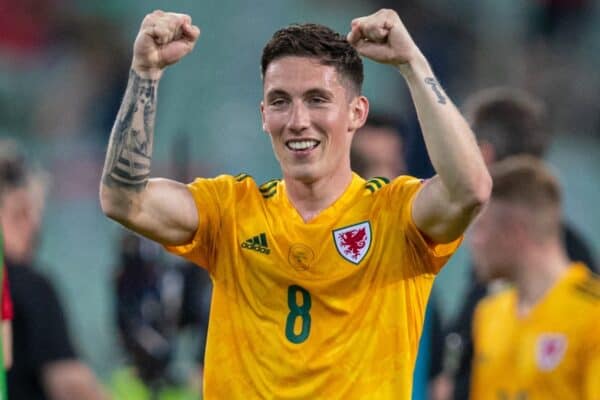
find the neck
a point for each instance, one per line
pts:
(309, 198)
(15, 259)
(539, 271)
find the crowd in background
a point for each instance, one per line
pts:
(63, 69)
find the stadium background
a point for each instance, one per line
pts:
(63, 65)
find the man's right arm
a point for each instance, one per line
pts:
(160, 209)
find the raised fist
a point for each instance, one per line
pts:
(164, 38)
(382, 37)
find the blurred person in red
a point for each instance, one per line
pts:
(539, 339)
(45, 364)
(6, 310)
(506, 121)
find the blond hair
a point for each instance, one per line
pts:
(527, 182)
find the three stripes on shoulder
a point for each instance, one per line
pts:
(267, 189)
(376, 183)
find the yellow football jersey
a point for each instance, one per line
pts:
(552, 353)
(329, 309)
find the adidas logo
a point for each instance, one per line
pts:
(257, 243)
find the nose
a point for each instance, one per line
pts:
(299, 118)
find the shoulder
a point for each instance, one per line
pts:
(585, 288)
(224, 181)
(32, 292)
(497, 302)
(403, 184)
(270, 188)
(223, 186)
(373, 185)
(25, 278)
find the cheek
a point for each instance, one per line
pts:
(338, 119)
(273, 122)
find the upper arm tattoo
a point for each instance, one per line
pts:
(435, 86)
(129, 153)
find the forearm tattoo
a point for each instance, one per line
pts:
(127, 164)
(435, 86)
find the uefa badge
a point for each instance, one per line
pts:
(353, 242)
(550, 350)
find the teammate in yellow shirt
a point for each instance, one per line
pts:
(539, 339)
(321, 278)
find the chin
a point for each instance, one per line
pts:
(303, 173)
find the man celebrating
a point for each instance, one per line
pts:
(320, 279)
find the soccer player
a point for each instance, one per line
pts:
(539, 339)
(321, 278)
(506, 121)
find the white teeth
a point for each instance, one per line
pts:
(302, 144)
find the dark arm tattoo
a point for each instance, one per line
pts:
(435, 86)
(127, 164)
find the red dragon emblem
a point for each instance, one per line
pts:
(353, 242)
(550, 350)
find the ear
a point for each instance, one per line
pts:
(262, 116)
(487, 152)
(359, 110)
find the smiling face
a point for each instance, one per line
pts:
(311, 117)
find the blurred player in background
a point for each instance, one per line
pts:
(539, 339)
(506, 121)
(320, 279)
(509, 121)
(378, 148)
(155, 301)
(45, 365)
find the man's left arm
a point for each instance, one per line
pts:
(447, 203)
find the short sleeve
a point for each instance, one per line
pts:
(433, 255)
(212, 197)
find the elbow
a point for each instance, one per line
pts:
(479, 193)
(106, 202)
(113, 204)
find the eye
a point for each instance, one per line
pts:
(279, 102)
(318, 100)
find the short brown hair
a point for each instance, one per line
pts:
(318, 42)
(13, 171)
(511, 120)
(527, 181)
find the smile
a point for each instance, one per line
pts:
(302, 145)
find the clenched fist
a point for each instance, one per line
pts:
(164, 38)
(382, 37)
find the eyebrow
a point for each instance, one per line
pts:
(313, 91)
(277, 93)
(319, 91)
